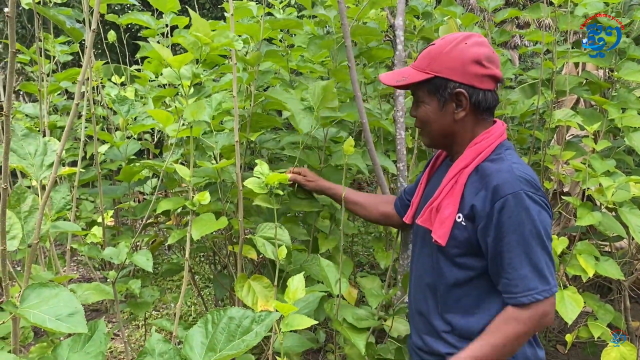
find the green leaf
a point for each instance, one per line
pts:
(296, 322)
(224, 334)
(170, 204)
(569, 303)
(559, 244)
(588, 262)
(183, 171)
(123, 151)
(177, 62)
(89, 293)
(586, 248)
(265, 247)
(597, 327)
(348, 147)
(357, 337)
(633, 140)
(373, 289)
(143, 259)
(52, 307)
(206, 224)
(271, 231)
(490, 5)
(111, 36)
(8, 356)
(257, 292)
(610, 226)
(64, 226)
(362, 318)
(331, 278)
(630, 215)
(397, 327)
(300, 118)
(63, 17)
(90, 346)
(24, 204)
(265, 201)
(608, 267)
(158, 348)
(322, 95)
(624, 351)
(199, 25)
(162, 116)
(257, 185)
(166, 5)
(628, 70)
(203, 198)
(32, 153)
(295, 288)
(275, 179)
(197, 111)
(14, 231)
(261, 171)
(586, 216)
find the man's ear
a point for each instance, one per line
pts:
(460, 100)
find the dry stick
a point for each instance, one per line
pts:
(358, 95)
(236, 136)
(197, 289)
(8, 104)
(35, 242)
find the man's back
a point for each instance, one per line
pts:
(498, 254)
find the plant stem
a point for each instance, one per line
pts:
(399, 114)
(185, 278)
(96, 156)
(342, 210)
(74, 193)
(6, 176)
(116, 302)
(275, 281)
(382, 182)
(236, 136)
(35, 242)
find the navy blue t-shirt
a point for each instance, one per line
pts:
(498, 254)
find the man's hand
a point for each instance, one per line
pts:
(375, 208)
(308, 180)
(510, 330)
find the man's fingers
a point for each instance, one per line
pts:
(293, 178)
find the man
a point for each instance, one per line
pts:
(482, 276)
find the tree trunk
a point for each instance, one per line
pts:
(399, 114)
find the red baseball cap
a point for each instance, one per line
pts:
(464, 57)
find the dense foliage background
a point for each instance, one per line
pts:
(131, 129)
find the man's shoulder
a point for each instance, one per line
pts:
(503, 173)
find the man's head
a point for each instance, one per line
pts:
(453, 83)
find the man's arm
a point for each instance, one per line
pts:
(376, 208)
(509, 331)
(515, 236)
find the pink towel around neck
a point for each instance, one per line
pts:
(440, 212)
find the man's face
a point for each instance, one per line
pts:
(435, 124)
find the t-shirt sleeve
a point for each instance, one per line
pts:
(515, 235)
(403, 200)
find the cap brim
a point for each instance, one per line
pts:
(403, 78)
